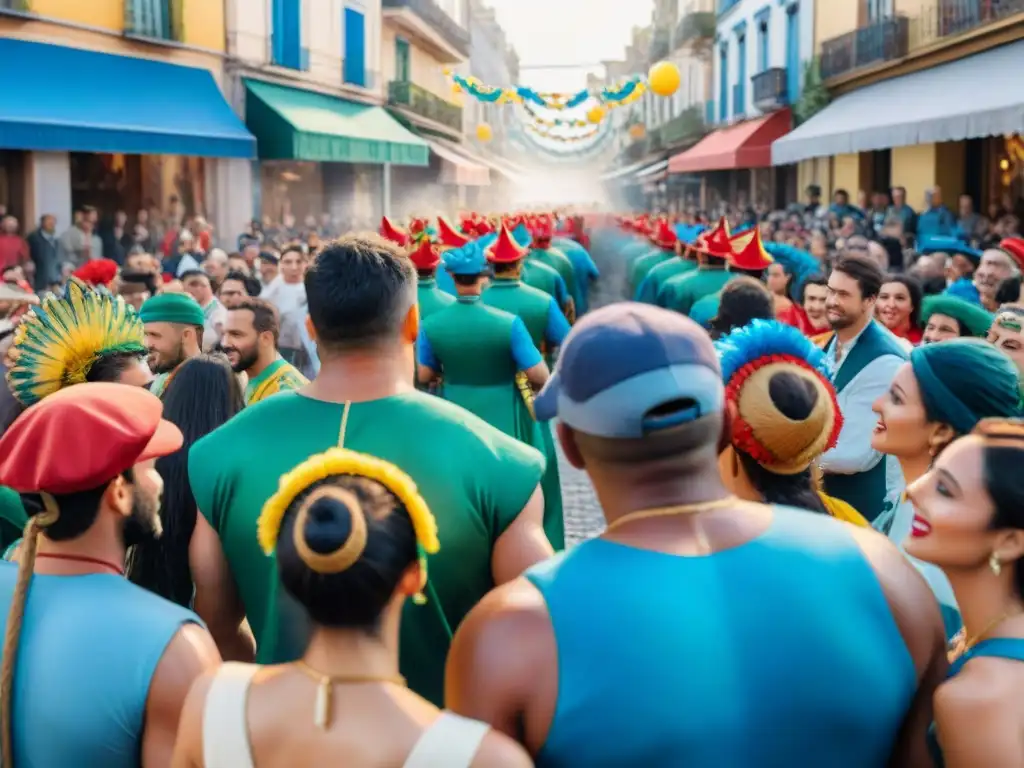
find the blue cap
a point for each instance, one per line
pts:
(522, 236)
(467, 260)
(688, 233)
(621, 362)
(943, 244)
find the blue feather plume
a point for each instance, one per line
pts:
(761, 338)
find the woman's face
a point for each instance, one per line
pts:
(940, 328)
(893, 307)
(952, 510)
(903, 428)
(776, 279)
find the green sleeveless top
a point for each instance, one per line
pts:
(544, 278)
(430, 298)
(558, 261)
(529, 303)
(475, 480)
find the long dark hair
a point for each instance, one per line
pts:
(914, 291)
(1001, 467)
(788, 490)
(202, 396)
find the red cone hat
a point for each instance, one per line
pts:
(752, 257)
(389, 232)
(505, 250)
(715, 241)
(448, 236)
(663, 235)
(425, 256)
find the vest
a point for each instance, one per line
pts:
(864, 491)
(531, 305)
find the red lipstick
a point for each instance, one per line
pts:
(920, 527)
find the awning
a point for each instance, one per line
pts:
(456, 168)
(293, 124)
(968, 98)
(492, 162)
(744, 145)
(654, 172)
(64, 99)
(627, 170)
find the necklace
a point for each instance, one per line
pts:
(83, 559)
(961, 644)
(325, 683)
(677, 509)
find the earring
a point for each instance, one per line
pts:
(994, 564)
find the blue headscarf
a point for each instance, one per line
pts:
(963, 381)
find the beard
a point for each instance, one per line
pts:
(246, 358)
(143, 524)
(173, 361)
(843, 321)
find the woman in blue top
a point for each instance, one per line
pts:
(969, 522)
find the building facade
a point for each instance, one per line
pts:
(117, 104)
(921, 98)
(492, 60)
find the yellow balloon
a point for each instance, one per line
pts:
(664, 78)
(595, 115)
(484, 132)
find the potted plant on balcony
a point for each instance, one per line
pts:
(814, 95)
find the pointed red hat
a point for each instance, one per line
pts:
(752, 257)
(663, 236)
(715, 241)
(425, 256)
(505, 250)
(542, 232)
(389, 232)
(483, 227)
(448, 236)
(417, 226)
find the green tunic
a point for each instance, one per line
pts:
(473, 343)
(705, 310)
(532, 307)
(279, 376)
(558, 261)
(475, 480)
(647, 289)
(682, 291)
(431, 298)
(639, 269)
(634, 249)
(544, 278)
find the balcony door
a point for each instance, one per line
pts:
(402, 67)
(793, 68)
(354, 67)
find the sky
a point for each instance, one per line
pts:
(573, 32)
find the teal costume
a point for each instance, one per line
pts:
(706, 309)
(559, 262)
(681, 292)
(584, 268)
(643, 266)
(431, 298)
(661, 274)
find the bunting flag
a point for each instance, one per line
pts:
(609, 97)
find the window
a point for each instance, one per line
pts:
(876, 10)
(723, 82)
(762, 46)
(739, 108)
(354, 64)
(286, 35)
(402, 60)
(794, 73)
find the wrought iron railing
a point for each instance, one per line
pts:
(884, 40)
(453, 32)
(686, 126)
(155, 19)
(420, 101)
(770, 88)
(941, 19)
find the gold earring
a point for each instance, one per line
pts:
(994, 564)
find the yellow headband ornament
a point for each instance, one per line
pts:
(340, 461)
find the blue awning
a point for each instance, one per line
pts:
(70, 100)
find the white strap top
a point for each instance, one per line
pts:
(451, 741)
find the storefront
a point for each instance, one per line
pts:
(320, 153)
(122, 133)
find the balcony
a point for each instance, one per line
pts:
(423, 103)
(724, 6)
(661, 45)
(739, 101)
(770, 89)
(426, 20)
(694, 27)
(683, 128)
(151, 19)
(942, 19)
(885, 40)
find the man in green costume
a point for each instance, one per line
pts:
(681, 292)
(429, 297)
(663, 245)
(536, 274)
(548, 328)
(583, 266)
(482, 486)
(174, 333)
(543, 253)
(751, 260)
(647, 292)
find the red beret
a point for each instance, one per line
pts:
(1014, 248)
(97, 271)
(83, 436)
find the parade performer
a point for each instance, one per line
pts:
(543, 252)
(552, 655)
(637, 230)
(536, 274)
(84, 335)
(782, 416)
(352, 535)
(548, 328)
(250, 340)
(407, 242)
(690, 240)
(664, 244)
(974, 535)
(482, 485)
(751, 260)
(947, 317)
(175, 324)
(681, 292)
(82, 644)
(479, 351)
(1007, 333)
(584, 268)
(429, 297)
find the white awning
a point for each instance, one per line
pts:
(656, 171)
(628, 170)
(456, 167)
(968, 98)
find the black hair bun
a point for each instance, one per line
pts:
(328, 525)
(793, 395)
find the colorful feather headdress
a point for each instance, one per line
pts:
(59, 341)
(783, 443)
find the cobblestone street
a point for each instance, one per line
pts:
(583, 518)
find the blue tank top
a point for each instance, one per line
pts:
(998, 647)
(782, 651)
(89, 648)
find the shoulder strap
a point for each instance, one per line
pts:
(225, 732)
(451, 741)
(999, 647)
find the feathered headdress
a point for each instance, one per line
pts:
(783, 443)
(59, 341)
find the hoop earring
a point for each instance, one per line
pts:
(994, 564)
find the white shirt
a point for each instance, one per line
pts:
(290, 300)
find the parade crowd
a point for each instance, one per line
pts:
(299, 504)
